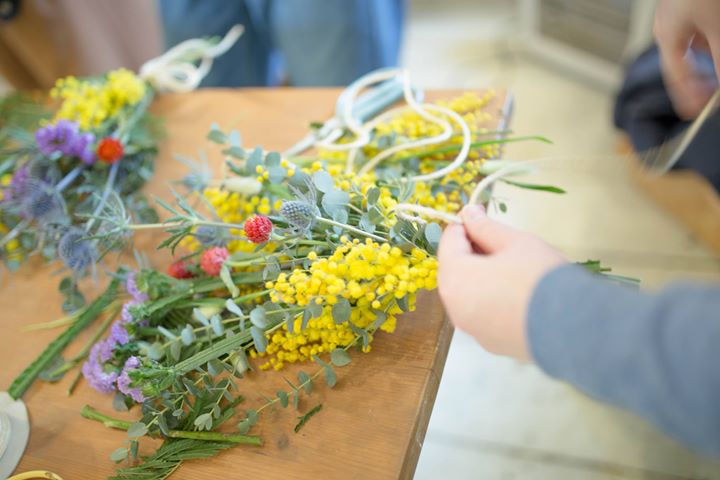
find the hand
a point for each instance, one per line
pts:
(680, 27)
(487, 274)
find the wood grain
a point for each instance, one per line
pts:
(372, 424)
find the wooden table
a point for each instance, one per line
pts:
(373, 422)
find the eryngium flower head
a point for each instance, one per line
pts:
(77, 252)
(299, 214)
(210, 236)
(38, 200)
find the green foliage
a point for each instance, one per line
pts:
(168, 458)
(302, 420)
(20, 385)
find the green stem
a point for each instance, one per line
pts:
(20, 385)
(110, 422)
(86, 348)
(350, 228)
(474, 145)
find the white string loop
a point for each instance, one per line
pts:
(176, 69)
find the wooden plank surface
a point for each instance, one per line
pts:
(372, 424)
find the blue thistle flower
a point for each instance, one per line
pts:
(38, 200)
(77, 252)
(210, 236)
(299, 214)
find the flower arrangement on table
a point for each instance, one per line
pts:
(284, 260)
(58, 171)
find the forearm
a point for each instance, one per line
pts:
(656, 355)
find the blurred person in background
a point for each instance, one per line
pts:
(657, 355)
(301, 42)
(43, 40)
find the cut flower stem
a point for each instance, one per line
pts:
(110, 422)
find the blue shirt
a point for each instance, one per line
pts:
(656, 355)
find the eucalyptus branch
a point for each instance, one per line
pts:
(110, 422)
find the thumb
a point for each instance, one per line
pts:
(487, 234)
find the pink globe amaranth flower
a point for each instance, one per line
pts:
(212, 260)
(258, 228)
(180, 270)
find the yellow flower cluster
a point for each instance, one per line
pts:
(91, 102)
(369, 275)
(232, 207)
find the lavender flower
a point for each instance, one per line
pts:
(65, 138)
(124, 380)
(94, 372)
(132, 288)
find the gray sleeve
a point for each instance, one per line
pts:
(656, 355)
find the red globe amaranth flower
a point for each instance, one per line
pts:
(212, 259)
(110, 150)
(179, 270)
(258, 229)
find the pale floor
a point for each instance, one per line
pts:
(495, 418)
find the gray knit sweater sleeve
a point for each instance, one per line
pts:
(656, 355)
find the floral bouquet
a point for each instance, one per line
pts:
(285, 260)
(99, 141)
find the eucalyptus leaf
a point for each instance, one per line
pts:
(433, 232)
(244, 426)
(283, 397)
(403, 303)
(259, 339)
(339, 357)
(258, 317)
(226, 277)
(277, 174)
(330, 377)
(341, 311)
(323, 181)
(335, 200)
(273, 159)
(233, 308)
(366, 224)
(119, 455)
(372, 197)
(216, 135)
(187, 335)
(217, 325)
(137, 429)
(305, 381)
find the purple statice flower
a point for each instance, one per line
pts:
(118, 333)
(124, 380)
(94, 371)
(106, 350)
(65, 137)
(132, 288)
(17, 182)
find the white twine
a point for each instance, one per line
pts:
(510, 169)
(347, 120)
(176, 69)
(412, 104)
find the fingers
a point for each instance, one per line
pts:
(454, 243)
(674, 36)
(487, 234)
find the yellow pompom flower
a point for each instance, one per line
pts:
(372, 279)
